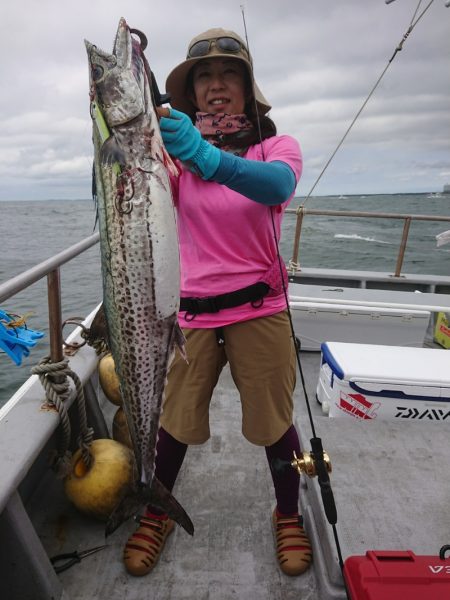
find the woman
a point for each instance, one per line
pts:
(237, 177)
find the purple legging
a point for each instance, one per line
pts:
(171, 453)
(286, 480)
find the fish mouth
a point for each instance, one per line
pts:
(93, 48)
(124, 41)
(122, 31)
(122, 44)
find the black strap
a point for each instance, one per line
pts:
(220, 336)
(211, 304)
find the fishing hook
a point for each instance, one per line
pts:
(75, 321)
(123, 204)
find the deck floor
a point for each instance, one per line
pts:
(226, 488)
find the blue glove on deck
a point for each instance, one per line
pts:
(16, 341)
(185, 142)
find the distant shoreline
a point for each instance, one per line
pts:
(337, 196)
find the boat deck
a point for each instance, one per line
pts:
(391, 484)
(391, 481)
(226, 488)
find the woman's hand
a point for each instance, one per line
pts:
(180, 137)
(184, 141)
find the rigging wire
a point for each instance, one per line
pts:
(399, 47)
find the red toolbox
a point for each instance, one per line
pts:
(392, 575)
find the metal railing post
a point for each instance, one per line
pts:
(54, 316)
(298, 231)
(401, 252)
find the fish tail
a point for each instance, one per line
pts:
(156, 495)
(160, 497)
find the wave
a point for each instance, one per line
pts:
(355, 236)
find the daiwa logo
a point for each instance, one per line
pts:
(445, 330)
(440, 569)
(358, 406)
(430, 414)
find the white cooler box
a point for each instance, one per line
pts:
(365, 381)
(316, 323)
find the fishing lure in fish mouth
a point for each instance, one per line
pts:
(16, 338)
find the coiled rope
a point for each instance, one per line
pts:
(54, 378)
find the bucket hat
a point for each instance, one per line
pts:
(217, 43)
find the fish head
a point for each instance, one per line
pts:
(118, 79)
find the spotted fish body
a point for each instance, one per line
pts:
(139, 253)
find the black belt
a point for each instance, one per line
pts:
(211, 304)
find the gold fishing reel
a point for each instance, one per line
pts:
(306, 463)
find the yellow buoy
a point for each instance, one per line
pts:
(108, 379)
(120, 430)
(97, 490)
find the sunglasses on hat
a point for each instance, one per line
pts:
(225, 44)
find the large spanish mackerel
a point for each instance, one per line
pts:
(139, 253)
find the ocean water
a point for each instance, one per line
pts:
(371, 244)
(32, 231)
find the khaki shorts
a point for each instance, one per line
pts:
(262, 361)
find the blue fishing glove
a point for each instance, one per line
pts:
(16, 341)
(185, 142)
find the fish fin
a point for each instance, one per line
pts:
(180, 342)
(158, 495)
(98, 331)
(111, 153)
(139, 496)
(170, 165)
(128, 507)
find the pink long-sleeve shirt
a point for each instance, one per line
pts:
(227, 240)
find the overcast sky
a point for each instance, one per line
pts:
(315, 60)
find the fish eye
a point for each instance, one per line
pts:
(97, 72)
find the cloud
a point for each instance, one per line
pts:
(315, 61)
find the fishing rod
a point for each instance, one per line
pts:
(317, 462)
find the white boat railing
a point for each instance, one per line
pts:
(298, 301)
(301, 212)
(49, 268)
